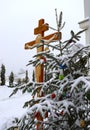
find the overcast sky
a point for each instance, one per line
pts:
(18, 18)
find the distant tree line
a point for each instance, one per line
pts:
(11, 78)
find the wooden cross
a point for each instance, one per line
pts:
(42, 27)
(39, 70)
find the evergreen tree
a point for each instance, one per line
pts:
(19, 81)
(26, 77)
(11, 79)
(65, 104)
(3, 70)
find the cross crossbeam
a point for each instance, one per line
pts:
(30, 44)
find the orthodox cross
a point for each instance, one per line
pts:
(42, 27)
(39, 70)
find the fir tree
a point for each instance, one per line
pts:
(26, 77)
(19, 81)
(11, 79)
(3, 70)
(64, 102)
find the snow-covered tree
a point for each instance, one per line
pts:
(3, 70)
(64, 102)
(19, 81)
(26, 77)
(11, 79)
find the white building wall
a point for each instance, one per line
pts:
(85, 24)
(87, 15)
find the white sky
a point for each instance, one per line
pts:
(18, 18)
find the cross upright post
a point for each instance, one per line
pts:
(40, 30)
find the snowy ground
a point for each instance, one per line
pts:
(13, 106)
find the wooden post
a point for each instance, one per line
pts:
(40, 30)
(39, 70)
(16, 128)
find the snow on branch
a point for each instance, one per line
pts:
(84, 81)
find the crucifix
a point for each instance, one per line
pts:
(42, 27)
(39, 70)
